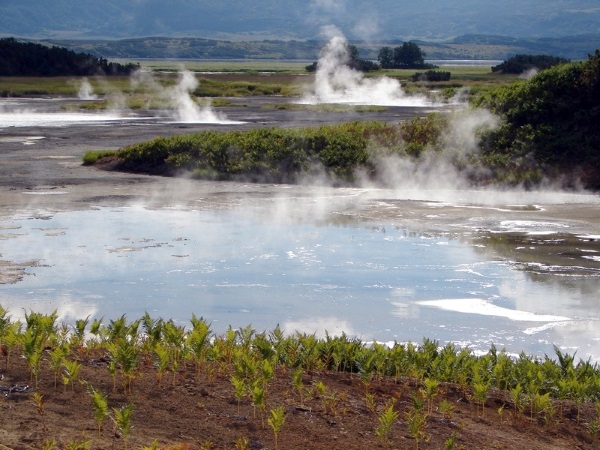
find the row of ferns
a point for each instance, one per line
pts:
(536, 386)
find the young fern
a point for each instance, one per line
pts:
(386, 420)
(100, 405)
(240, 388)
(70, 373)
(122, 421)
(276, 421)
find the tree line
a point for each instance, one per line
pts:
(522, 63)
(407, 56)
(30, 59)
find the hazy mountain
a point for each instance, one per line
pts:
(277, 19)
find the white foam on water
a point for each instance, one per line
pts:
(532, 226)
(548, 326)
(590, 237)
(485, 308)
(45, 192)
(592, 258)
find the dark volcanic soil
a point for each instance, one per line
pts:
(186, 411)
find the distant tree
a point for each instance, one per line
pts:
(522, 63)
(386, 57)
(406, 56)
(353, 52)
(352, 61)
(312, 67)
(409, 56)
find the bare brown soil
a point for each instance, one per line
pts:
(186, 411)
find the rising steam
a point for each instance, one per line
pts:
(336, 82)
(435, 174)
(181, 106)
(86, 92)
(185, 108)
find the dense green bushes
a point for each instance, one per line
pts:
(550, 125)
(431, 75)
(336, 152)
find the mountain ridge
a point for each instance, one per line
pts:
(462, 47)
(284, 19)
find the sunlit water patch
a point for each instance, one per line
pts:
(65, 119)
(58, 119)
(376, 281)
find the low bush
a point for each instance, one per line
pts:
(282, 155)
(93, 156)
(431, 75)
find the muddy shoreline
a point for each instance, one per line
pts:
(41, 168)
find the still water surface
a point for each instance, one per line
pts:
(378, 280)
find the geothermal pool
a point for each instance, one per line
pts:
(313, 265)
(422, 259)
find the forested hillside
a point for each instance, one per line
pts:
(29, 59)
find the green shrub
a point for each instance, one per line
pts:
(93, 156)
(550, 122)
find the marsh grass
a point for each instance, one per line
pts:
(223, 66)
(233, 78)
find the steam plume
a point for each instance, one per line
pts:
(186, 109)
(436, 170)
(86, 92)
(336, 82)
(182, 107)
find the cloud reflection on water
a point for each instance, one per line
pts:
(238, 267)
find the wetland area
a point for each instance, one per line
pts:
(516, 269)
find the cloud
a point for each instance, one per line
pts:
(329, 6)
(367, 27)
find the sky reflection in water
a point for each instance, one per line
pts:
(373, 281)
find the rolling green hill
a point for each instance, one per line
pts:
(464, 47)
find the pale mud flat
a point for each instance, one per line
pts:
(548, 241)
(40, 166)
